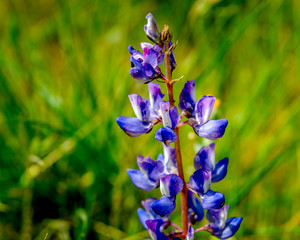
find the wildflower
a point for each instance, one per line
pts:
(147, 213)
(170, 118)
(145, 67)
(155, 228)
(219, 225)
(205, 158)
(147, 178)
(200, 182)
(147, 113)
(199, 113)
(196, 212)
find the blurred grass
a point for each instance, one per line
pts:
(64, 79)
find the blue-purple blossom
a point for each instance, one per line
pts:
(205, 158)
(168, 159)
(151, 30)
(147, 178)
(166, 135)
(147, 213)
(170, 185)
(155, 228)
(145, 67)
(170, 118)
(196, 212)
(199, 113)
(147, 112)
(200, 182)
(219, 225)
(212, 200)
(164, 205)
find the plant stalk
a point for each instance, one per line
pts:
(184, 192)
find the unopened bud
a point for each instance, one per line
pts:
(151, 30)
(165, 34)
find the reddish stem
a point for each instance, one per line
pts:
(184, 192)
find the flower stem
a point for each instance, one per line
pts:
(184, 192)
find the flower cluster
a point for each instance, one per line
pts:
(166, 171)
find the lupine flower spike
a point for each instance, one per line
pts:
(166, 172)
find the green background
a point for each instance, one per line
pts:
(64, 78)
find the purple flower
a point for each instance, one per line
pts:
(164, 206)
(196, 212)
(205, 158)
(170, 118)
(151, 30)
(147, 213)
(168, 159)
(200, 182)
(170, 185)
(147, 178)
(219, 225)
(155, 228)
(199, 113)
(147, 112)
(145, 67)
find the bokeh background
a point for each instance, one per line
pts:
(64, 78)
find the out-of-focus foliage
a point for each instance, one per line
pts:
(64, 78)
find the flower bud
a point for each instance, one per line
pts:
(165, 34)
(151, 30)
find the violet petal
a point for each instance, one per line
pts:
(212, 200)
(133, 127)
(205, 158)
(200, 180)
(187, 98)
(220, 170)
(170, 185)
(203, 109)
(212, 129)
(140, 180)
(166, 135)
(163, 206)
